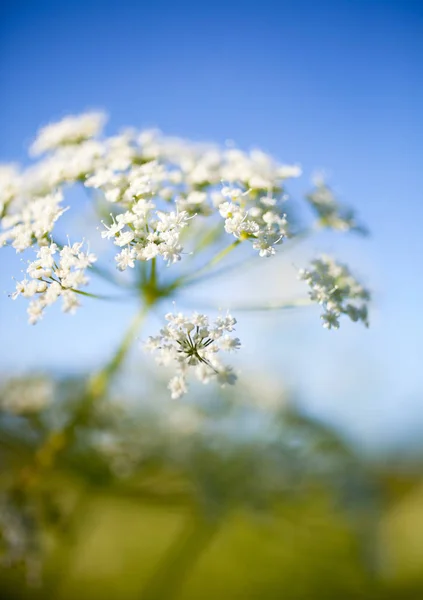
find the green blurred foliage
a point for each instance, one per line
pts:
(214, 499)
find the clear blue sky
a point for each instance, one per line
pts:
(334, 84)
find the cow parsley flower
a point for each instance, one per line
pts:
(192, 343)
(32, 223)
(144, 233)
(71, 130)
(55, 274)
(334, 287)
(251, 217)
(330, 212)
(168, 196)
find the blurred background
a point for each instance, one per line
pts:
(334, 85)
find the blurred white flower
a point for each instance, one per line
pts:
(334, 287)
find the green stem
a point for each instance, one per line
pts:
(296, 303)
(97, 385)
(181, 558)
(98, 270)
(98, 296)
(249, 261)
(285, 306)
(194, 277)
(113, 365)
(107, 275)
(153, 276)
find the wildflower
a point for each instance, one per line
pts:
(33, 222)
(70, 130)
(147, 233)
(51, 279)
(192, 343)
(334, 287)
(330, 212)
(171, 197)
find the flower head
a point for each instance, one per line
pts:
(70, 130)
(334, 287)
(55, 273)
(192, 343)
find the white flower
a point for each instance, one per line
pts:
(177, 386)
(33, 222)
(125, 259)
(171, 251)
(123, 239)
(330, 212)
(112, 231)
(189, 341)
(51, 280)
(171, 198)
(229, 344)
(333, 286)
(264, 227)
(70, 130)
(35, 311)
(150, 251)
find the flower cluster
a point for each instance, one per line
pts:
(71, 130)
(333, 286)
(330, 212)
(192, 343)
(253, 216)
(142, 231)
(48, 280)
(26, 396)
(32, 222)
(167, 198)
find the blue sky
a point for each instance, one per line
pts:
(331, 84)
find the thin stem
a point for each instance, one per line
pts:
(153, 276)
(107, 275)
(190, 278)
(297, 303)
(102, 272)
(181, 558)
(98, 296)
(221, 255)
(113, 365)
(97, 385)
(286, 246)
(292, 304)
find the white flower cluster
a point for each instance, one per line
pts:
(167, 197)
(192, 343)
(188, 177)
(254, 217)
(23, 396)
(9, 185)
(32, 223)
(71, 130)
(333, 286)
(142, 231)
(154, 182)
(331, 213)
(48, 280)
